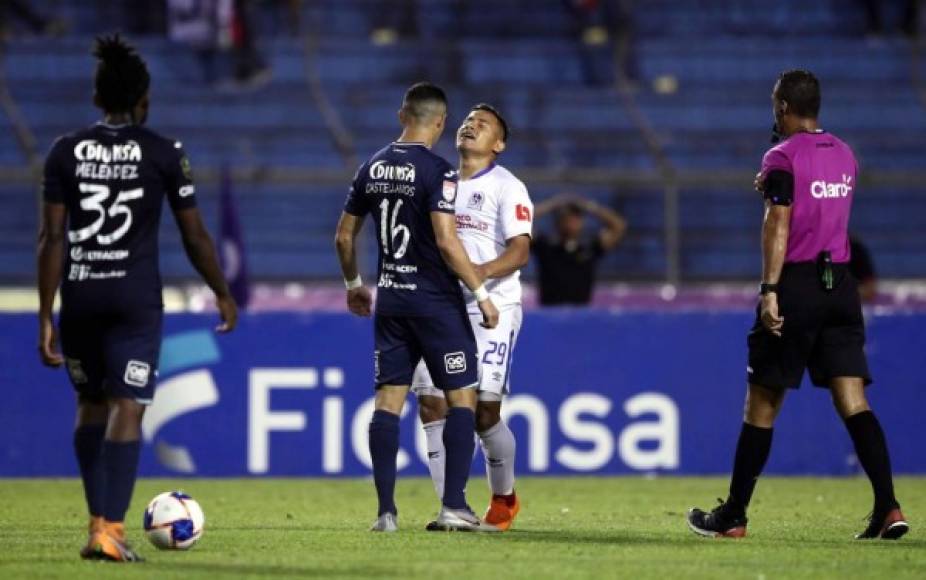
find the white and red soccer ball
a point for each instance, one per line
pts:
(174, 521)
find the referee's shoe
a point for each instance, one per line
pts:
(724, 521)
(890, 526)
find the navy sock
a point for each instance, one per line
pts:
(120, 463)
(88, 447)
(384, 448)
(752, 452)
(871, 450)
(460, 444)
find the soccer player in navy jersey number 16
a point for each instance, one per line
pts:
(103, 190)
(420, 311)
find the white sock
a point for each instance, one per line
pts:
(437, 457)
(498, 446)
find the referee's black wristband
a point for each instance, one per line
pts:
(768, 288)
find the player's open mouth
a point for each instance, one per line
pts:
(467, 135)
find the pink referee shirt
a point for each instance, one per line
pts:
(825, 175)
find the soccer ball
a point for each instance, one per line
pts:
(174, 521)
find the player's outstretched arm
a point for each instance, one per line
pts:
(359, 298)
(516, 255)
(201, 252)
(50, 265)
(454, 254)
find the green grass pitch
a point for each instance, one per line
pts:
(568, 528)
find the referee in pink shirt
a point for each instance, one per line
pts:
(810, 316)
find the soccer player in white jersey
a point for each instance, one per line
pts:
(494, 215)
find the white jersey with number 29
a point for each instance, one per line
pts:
(493, 207)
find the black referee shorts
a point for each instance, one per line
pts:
(823, 331)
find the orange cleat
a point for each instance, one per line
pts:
(94, 527)
(107, 542)
(502, 511)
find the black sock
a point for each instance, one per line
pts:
(752, 451)
(871, 449)
(120, 463)
(88, 447)
(384, 447)
(460, 444)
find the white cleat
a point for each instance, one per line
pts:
(462, 520)
(388, 522)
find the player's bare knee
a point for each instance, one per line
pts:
(488, 414)
(849, 405)
(466, 398)
(431, 409)
(125, 417)
(762, 406)
(91, 411)
(391, 399)
(848, 395)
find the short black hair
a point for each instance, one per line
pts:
(570, 209)
(501, 120)
(420, 99)
(801, 90)
(122, 77)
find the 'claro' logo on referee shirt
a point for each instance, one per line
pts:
(824, 190)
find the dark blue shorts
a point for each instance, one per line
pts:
(112, 354)
(446, 343)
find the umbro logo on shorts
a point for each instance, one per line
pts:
(455, 363)
(137, 373)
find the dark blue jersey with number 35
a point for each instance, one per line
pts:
(399, 187)
(113, 181)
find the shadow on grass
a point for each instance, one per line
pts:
(270, 570)
(599, 538)
(612, 538)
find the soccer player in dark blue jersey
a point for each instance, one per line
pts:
(103, 190)
(420, 309)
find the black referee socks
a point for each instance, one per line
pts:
(871, 449)
(752, 451)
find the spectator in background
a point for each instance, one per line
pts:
(604, 29)
(138, 17)
(909, 16)
(421, 23)
(214, 27)
(567, 261)
(863, 268)
(13, 10)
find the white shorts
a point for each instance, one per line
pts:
(496, 346)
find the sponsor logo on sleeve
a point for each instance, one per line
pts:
(450, 190)
(185, 167)
(187, 191)
(455, 363)
(522, 213)
(137, 373)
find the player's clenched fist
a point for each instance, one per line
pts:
(360, 301)
(48, 349)
(228, 312)
(489, 314)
